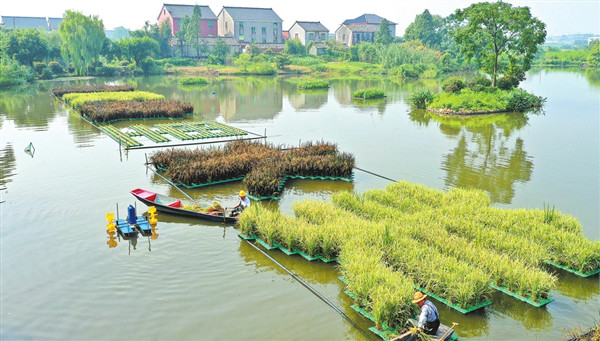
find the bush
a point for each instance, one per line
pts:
(453, 84)
(107, 71)
(261, 69)
(313, 84)
(479, 80)
(46, 74)
(503, 83)
(420, 99)
(193, 80)
(12, 73)
(151, 67)
(178, 61)
(39, 67)
(521, 100)
(368, 93)
(56, 68)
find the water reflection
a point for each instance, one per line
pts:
(532, 318)
(7, 165)
(584, 289)
(308, 99)
(485, 156)
(29, 106)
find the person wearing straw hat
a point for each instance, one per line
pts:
(244, 202)
(429, 319)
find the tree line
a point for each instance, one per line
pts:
(496, 38)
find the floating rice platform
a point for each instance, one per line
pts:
(456, 307)
(285, 250)
(525, 299)
(578, 273)
(164, 132)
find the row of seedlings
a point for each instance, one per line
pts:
(532, 284)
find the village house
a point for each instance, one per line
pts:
(307, 31)
(47, 24)
(360, 29)
(261, 26)
(176, 13)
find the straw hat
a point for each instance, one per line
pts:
(418, 297)
(242, 193)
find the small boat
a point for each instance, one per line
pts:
(444, 333)
(167, 204)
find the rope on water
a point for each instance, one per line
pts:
(313, 290)
(381, 176)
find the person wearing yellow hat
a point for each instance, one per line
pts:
(429, 319)
(244, 202)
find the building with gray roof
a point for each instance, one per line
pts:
(249, 24)
(47, 24)
(362, 28)
(307, 31)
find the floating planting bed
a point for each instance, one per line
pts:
(119, 136)
(313, 84)
(76, 100)
(103, 111)
(578, 273)
(264, 168)
(526, 299)
(59, 91)
(391, 242)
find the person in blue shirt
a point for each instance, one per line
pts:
(429, 319)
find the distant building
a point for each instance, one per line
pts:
(259, 25)
(307, 31)
(363, 28)
(176, 13)
(285, 35)
(47, 24)
(353, 34)
(591, 39)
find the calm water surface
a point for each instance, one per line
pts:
(60, 279)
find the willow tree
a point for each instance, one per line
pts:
(491, 33)
(83, 38)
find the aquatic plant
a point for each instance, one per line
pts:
(76, 100)
(368, 93)
(103, 111)
(59, 91)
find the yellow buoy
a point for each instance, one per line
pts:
(110, 217)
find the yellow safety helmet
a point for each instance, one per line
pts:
(242, 193)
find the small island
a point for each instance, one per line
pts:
(475, 97)
(368, 93)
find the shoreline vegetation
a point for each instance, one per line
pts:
(476, 97)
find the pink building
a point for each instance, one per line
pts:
(176, 13)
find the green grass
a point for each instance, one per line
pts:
(496, 100)
(368, 93)
(78, 99)
(313, 84)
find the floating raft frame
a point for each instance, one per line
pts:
(285, 250)
(527, 299)
(578, 273)
(466, 310)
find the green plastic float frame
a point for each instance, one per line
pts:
(136, 119)
(305, 255)
(266, 245)
(466, 310)
(573, 271)
(525, 299)
(286, 251)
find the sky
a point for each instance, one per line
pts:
(561, 17)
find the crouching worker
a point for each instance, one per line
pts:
(429, 319)
(244, 203)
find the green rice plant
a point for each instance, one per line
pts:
(78, 99)
(313, 84)
(248, 220)
(193, 80)
(571, 249)
(368, 93)
(329, 237)
(289, 234)
(309, 240)
(549, 214)
(267, 226)
(59, 91)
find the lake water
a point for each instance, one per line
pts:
(198, 280)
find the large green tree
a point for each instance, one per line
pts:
(193, 30)
(427, 28)
(161, 34)
(499, 36)
(139, 49)
(25, 46)
(383, 36)
(219, 52)
(83, 38)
